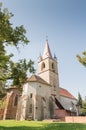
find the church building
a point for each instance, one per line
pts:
(41, 97)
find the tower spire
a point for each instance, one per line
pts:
(47, 52)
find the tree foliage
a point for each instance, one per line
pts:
(80, 100)
(82, 59)
(83, 109)
(8, 34)
(19, 72)
(82, 104)
(12, 36)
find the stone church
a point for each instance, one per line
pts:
(41, 97)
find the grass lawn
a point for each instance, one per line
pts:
(39, 125)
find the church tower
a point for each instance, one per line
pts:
(47, 70)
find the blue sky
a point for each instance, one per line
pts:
(64, 22)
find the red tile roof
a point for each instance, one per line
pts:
(65, 93)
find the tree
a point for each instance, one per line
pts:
(12, 36)
(82, 104)
(19, 72)
(8, 34)
(82, 59)
(79, 100)
(83, 109)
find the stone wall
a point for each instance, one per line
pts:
(75, 119)
(61, 113)
(40, 101)
(1, 113)
(11, 107)
(10, 110)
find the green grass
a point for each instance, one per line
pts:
(35, 125)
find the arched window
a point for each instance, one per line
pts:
(30, 108)
(16, 100)
(44, 101)
(31, 95)
(43, 66)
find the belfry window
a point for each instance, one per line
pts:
(53, 67)
(43, 66)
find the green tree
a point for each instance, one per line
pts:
(83, 109)
(19, 72)
(10, 36)
(82, 103)
(82, 59)
(79, 100)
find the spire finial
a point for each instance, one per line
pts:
(47, 52)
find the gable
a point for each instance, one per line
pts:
(35, 78)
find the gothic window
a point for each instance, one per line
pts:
(31, 95)
(51, 106)
(44, 102)
(43, 66)
(51, 98)
(30, 108)
(16, 100)
(43, 99)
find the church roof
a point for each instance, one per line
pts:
(65, 93)
(35, 78)
(47, 52)
(66, 104)
(63, 103)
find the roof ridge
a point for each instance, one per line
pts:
(66, 93)
(38, 79)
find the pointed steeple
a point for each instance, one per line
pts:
(47, 52)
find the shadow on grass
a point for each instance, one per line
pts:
(66, 126)
(52, 126)
(20, 128)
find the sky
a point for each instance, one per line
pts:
(64, 23)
